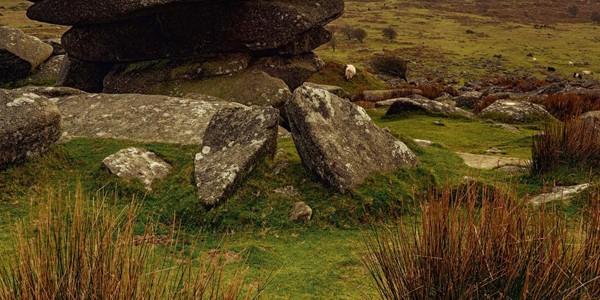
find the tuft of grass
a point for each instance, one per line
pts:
(575, 144)
(500, 249)
(72, 249)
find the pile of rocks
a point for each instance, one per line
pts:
(262, 48)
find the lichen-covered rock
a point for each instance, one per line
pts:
(432, 107)
(294, 71)
(339, 142)
(300, 212)
(336, 90)
(51, 91)
(29, 124)
(82, 75)
(20, 54)
(137, 163)
(511, 111)
(468, 99)
(235, 141)
(145, 118)
(383, 95)
(195, 30)
(163, 76)
(248, 87)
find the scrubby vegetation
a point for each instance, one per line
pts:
(390, 66)
(88, 249)
(574, 144)
(501, 248)
(567, 105)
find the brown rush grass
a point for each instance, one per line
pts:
(565, 106)
(574, 144)
(66, 251)
(500, 249)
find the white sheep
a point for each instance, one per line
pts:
(534, 59)
(586, 72)
(571, 63)
(350, 72)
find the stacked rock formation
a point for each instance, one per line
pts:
(177, 47)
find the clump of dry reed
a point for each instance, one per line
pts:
(500, 249)
(574, 144)
(567, 105)
(68, 251)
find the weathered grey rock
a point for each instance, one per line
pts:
(489, 162)
(512, 169)
(137, 163)
(511, 111)
(162, 77)
(145, 118)
(383, 95)
(248, 87)
(46, 73)
(72, 12)
(300, 212)
(20, 54)
(339, 142)
(432, 107)
(336, 90)
(82, 75)
(29, 124)
(554, 88)
(51, 91)
(559, 193)
(194, 30)
(468, 99)
(294, 71)
(507, 127)
(423, 143)
(235, 141)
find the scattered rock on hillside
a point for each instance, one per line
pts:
(339, 142)
(235, 141)
(406, 105)
(29, 124)
(488, 162)
(336, 90)
(554, 88)
(145, 118)
(468, 99)
(137, 163)
(300, 212)
(20, 54)
(511, 111)
(423, 143)
(512, 169)
(559, 193)
(383, 95)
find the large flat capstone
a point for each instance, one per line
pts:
(146, 118)
(339, 142)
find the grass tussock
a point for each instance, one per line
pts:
(500, 249)
(66, 251)
(564, 106)
(574, 144)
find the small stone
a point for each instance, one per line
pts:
(423, 143)
(495, 151)
(300, 212)
(439, 123)
(137, 163)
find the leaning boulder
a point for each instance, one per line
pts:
(137, 163)
(431, 107)
(511, 111)
(29, 124)
(235, 141)
(144, 118)
(339, 142)
(46, 74)
(20, 54)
